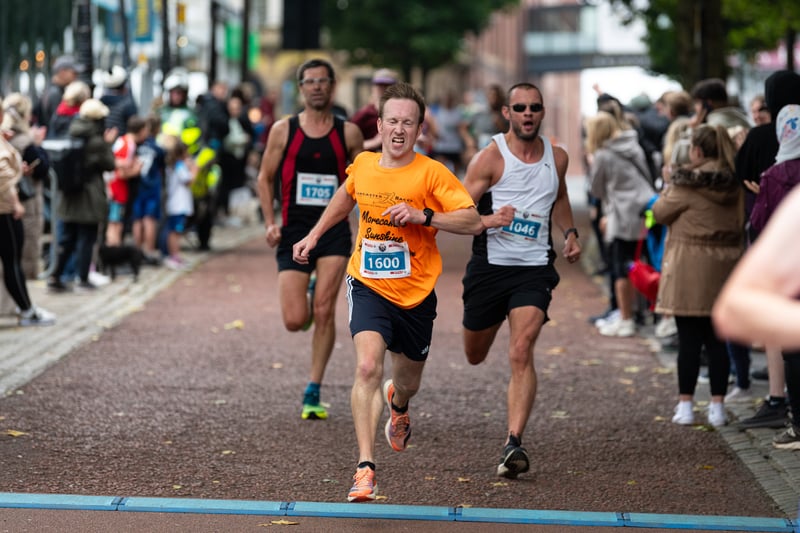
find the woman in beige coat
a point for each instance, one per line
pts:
(703, 207)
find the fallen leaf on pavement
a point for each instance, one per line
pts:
(283, 522)
(556, 350)
(15, 433)
(236, 324)
(464, 480)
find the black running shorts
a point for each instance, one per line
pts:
(405, 331)
(335, 241)
(491, 291)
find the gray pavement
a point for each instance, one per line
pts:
(27, 352)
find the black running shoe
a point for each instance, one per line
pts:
(767, 416)
(513, 462)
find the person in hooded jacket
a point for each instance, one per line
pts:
(756, 155)
(83, 211)
(620, 178)
(702, 204)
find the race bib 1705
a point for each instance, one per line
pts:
(315, 189)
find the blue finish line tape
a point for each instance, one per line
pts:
(12, 500)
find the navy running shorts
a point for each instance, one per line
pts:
(492, 291)
(335, 241)
(405, 331)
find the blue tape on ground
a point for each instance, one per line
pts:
(187, 505)
(14, 500)
(523, 516)
(396, 512)
(371, 510)
(710, 523)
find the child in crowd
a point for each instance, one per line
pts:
(147, 203)
(127, 167)
(181, 172)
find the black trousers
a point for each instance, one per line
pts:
(12, 237)
(694, 332)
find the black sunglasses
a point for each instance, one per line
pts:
(520, 108)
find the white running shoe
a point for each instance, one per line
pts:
(738, 395)
(620, 328)
(666, 327)
(613, 316)
(98, 280)
(36, 316)
(684, 414)
(716, 414)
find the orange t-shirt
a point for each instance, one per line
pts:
(422, 183)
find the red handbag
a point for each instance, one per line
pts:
(643, 276)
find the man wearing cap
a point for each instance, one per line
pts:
(366, 118)
(118, 98)
(65, 71)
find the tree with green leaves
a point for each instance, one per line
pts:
(405, 35)
(691, 40)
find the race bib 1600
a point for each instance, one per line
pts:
(385, 259)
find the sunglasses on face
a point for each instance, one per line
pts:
(520, 108)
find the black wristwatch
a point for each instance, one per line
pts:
(570, 230)
(428, 216)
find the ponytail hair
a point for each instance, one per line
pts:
(715, 143)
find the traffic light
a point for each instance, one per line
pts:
(301, 22)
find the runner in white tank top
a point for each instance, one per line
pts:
(531, 188)
(519, 185)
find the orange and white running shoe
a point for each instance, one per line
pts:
(398, 427)
(364, 486)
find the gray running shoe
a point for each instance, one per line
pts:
(788, 440)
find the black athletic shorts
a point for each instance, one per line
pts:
(405, 331)
(335, 241)
(621, 253)
(492, 291)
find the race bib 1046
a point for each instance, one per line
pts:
(315, 189)
(524, 225)
(385, 259)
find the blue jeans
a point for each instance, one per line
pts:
(740, 362)
(80, 239)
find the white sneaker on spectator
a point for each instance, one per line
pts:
(36, 316)
(620, 328)
(666, 327)
(97, 279)
(174, 263)
(738, 395)
(684, 414)
(716, 414)
(613, 316)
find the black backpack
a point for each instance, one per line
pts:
(68, 160)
